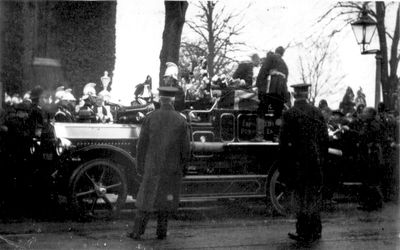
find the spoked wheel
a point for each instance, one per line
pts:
(278, 193)
(98, 189)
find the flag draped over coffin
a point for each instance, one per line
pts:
(237, 99)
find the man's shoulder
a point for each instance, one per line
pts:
(161, 112)
(299, 108)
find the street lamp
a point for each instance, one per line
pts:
(364, 29)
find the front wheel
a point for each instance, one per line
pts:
(278, 192)
(98, 189)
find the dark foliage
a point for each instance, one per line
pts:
(80, 35)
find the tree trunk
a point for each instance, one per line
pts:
(175, 12)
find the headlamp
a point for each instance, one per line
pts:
(62, 145)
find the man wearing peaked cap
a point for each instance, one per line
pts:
(301, 87)
(167, 91)
(303, 145)
(163, 151)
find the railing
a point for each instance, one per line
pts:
(194, 113)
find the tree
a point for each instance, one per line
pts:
(189, 55)
(316, 65)
(217, 30)
(345, 11)
(175, 12)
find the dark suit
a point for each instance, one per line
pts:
(163, 151)
(245, 72)
(303, 148)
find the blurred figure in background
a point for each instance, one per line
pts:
(87, 104)
(325, 110)
(370, 151)
(102, 111)
(66, 107)
(347, 104)
(37, 115)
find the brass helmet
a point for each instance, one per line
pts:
(89, 89)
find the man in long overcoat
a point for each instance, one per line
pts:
(163, 151)
(272, 88)
(303, 148)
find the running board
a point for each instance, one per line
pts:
(223, 186)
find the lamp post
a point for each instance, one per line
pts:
(364, 29)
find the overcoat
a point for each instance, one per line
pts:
(304, 144)
(163, 150)
(277, 85)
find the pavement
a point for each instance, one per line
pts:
(230, 225)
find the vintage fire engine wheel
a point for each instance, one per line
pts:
(278, 193)
(98, 189)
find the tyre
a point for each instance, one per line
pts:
(278, 193)
(98, 189)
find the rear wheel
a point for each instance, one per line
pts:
(98, 189)
(278, 193)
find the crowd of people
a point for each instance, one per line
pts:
(369, 137)
(61, 105)
(301, 131)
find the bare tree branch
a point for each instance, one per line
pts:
(217, 28)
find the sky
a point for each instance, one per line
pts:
(268, 24)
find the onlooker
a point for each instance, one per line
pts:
(162, 154)
(347, 104)
(303, 148)
(388, 125)
(36, 116)
(325, 110)
(360, 99)
(371, 160)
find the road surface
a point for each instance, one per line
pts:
(227, 225)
